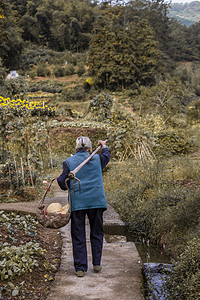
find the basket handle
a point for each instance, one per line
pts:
(45, 193)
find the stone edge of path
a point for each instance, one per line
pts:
(112, 225)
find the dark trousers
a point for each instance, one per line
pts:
(78, 234)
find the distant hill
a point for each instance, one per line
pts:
(186, 13)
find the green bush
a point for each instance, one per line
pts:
(80, 58)
(154, 203)
(51, 86)
(2, 73)
(164, 99)
(42, 70)
(100, 107)
(80, 69)
(16, 86)
(69, 70)
(34, 56)
(59, 71)
(76, 93)
(70, 58)
(193, 111)
(171, 143)
(183, 282)
(189, 75)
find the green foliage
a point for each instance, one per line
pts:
(32, 56)
(183, 44)
(157, 200)
(80, 69)
(100, 107)
(2, 73)
(14, 290)
(171, 143)
(156, 15)
(193, 111)
(17, 86)
(14, 221)
(61, 25)
(43, 70)
(189, 74)
(51, 86)
(59, 71)
(69, 70)
(183, 282)
(121, 57)
(164, 99)
(16, 260)
(10, 34)
(75, 93)
(58, 24)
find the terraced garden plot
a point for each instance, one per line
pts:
(29, 257)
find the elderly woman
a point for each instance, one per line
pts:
(91, 202)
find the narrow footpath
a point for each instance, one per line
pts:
(120, 277)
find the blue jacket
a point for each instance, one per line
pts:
(90, 175)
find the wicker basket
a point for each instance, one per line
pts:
(51, 220)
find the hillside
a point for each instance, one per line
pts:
(126, 73)
(186, 13)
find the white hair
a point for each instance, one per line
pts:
(83, 142)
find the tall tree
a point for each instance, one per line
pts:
(10, 36)
(155, 12)
(59, 24)
(194, 39)
(122, 57)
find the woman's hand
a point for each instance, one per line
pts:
(102, 143)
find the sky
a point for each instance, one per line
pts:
(183, 1)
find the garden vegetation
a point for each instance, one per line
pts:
(122, 70)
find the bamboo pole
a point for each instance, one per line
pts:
(151, 151)
(22, 172)
(124, 154)
(16, 171)
(85, 161)
(50, 153)
(9, 174)
(130, 148)
(148, 155)
(30, 172)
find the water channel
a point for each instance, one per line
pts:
(155, 262)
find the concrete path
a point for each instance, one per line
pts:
(120, 278)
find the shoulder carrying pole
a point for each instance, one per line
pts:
(72, 174)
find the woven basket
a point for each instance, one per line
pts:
(51, 220)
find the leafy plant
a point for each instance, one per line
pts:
(69, 70)
(51, 86)
(171, 143)
(14, 221)
(42, 70)
(59, 71)
(100, 107)
(80, 69)
(75, 93)
(16, 260)
(184, 280)
(157, 200)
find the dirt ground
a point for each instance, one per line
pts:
(37, 283)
